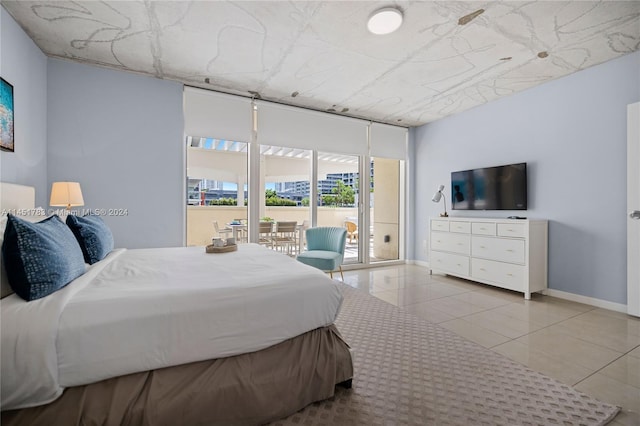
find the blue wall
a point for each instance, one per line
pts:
(121, 136)
(572, 133)
(24, 66)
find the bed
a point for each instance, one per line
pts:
(173, 336)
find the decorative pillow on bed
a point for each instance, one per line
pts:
(93, 235)
(5, 288)
(31, 215)
(40, 258)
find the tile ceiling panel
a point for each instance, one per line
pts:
(430, 68)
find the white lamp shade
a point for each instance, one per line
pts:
(67, 194)
(438, 194)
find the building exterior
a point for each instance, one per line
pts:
(295, 190)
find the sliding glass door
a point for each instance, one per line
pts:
(268, 162)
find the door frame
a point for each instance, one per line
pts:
(633, 203)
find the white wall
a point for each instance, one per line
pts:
(572, 133)
(23, 65)
(121, 136)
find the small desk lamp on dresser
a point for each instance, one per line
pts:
(436, 198)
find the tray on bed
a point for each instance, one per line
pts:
(224, 249)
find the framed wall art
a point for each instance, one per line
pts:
(6, 116)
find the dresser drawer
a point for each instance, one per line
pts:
(440, 225)
(455, 243)
(482, 228)
(506, 275)
(511, 230)
(503, 249)
(448, 262)
(460, 227)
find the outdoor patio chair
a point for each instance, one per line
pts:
(352, 230)
(285, 236)
(221, 232)
(265, 234)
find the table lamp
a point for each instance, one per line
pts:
(436, 198)
(66, 194)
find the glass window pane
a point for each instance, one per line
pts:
(338, 182)
(286, 173)
(216, 190)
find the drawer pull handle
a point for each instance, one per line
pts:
(510, 250)
(458, 264)
(482, 247)
(483, 229)
(510, 275)
(482, 269)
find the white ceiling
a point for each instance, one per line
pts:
(321, 50)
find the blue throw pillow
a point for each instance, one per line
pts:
(41, 257)
(93, 235)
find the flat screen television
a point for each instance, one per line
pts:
(490, 188)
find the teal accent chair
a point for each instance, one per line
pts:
(325, 249)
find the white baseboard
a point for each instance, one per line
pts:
(418, 262)
(592, 301)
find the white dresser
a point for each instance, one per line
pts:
(506, 253)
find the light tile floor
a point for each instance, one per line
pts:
(594, 350)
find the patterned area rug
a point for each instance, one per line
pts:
(412, 372)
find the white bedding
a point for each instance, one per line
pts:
(151, 308)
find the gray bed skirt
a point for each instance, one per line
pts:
(247, 389)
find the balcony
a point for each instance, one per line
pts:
(217, 173)
(200, 228)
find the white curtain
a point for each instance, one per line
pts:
(216, 115)
(293, 127)
(221, 116)
(388, 141)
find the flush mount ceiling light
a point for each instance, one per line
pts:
(385, 20)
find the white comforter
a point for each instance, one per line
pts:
(144, 309)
